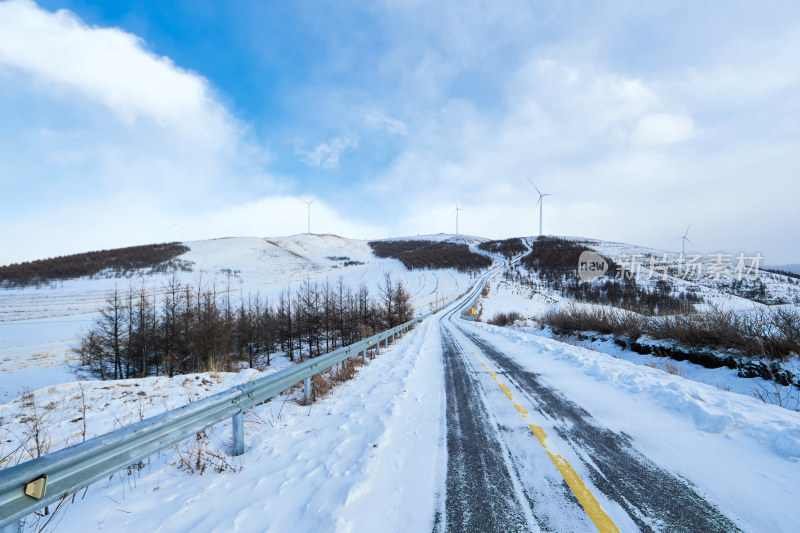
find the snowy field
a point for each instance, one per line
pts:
(39, 326)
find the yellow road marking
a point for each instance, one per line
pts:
(587, 500)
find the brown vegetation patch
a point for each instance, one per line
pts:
(431, 254)
(111, 263)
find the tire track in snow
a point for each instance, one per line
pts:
(655, 499)
(481, 494)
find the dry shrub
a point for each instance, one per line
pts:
(763, 333)
(667, 367)
(36, 435)
(199, 455)
(597, 319)
(321, 385)
(323, 382)
(787, 396)
(505, 319)
(33, 442)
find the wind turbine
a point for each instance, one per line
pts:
(540, 203)
(309, 214)
(175, 225)
(684, 239)
(457, 209)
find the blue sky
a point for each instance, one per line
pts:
(122, 118)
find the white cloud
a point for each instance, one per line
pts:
(132, 220)
(581, 130)
(392, 125)
(105, 141)
(327, 154)
(490, 94)
(662, 129)
(110, 67)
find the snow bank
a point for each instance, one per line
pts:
(358, 459)
(710, 409)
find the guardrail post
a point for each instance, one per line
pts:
(238, 433)
(364, 355)
(12, 527)
(307, 390)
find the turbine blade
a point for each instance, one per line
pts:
(534, 186)
(687, 229)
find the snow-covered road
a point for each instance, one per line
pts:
(536, 444)
(499, 477)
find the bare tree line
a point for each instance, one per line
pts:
(555, 262)
(508, 247)
(431, 254)
(188, 328)
(107, 263)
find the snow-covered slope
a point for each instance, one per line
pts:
(505, 295)
(39, 326)
(716, 291)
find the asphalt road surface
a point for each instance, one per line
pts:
(505, 474)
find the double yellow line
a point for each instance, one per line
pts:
(587, 500)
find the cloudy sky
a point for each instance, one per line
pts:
(119, 119)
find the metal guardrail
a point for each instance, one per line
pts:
(477, 290)
(30, 486)
(473, 301)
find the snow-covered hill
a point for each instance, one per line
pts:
(39, 326)
(717, 291)
(522, 292)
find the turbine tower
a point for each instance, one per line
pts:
(684, 239)
(176, 226)
(540, 203)
(309, 215)
(457, 209)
